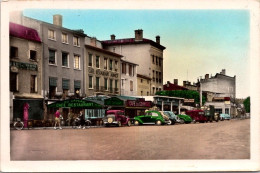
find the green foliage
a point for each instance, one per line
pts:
(187, 94)
(247, 104)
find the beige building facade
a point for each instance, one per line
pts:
(146, 53)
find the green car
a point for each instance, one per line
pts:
(184, 118)
(150, 117)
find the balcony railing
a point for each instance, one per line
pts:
(106, 90)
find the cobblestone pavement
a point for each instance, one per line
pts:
(222, 140)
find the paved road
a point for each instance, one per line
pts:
(222, 140)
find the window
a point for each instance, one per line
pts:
(153, 58)
(111, 85)
(130, 70)
(90, 60)
(97, 83)
(110, 64)
(76, 41)
(52, 87)
(105, 83)
(141, 93)
(64, 38)
(226, 111)
(116, 65)
(13, 82)
(153, 76)
(116, 88)
(65, 59)
(141, 80)
(13, 52)
(131, 85)
(76, 62)
(105, 63)
(90, 79)
(160, 80)
(77, 87)
(156, 60)
(153, 90)
(147, 93)
(51, 34)
(160, 61)
(52, 56)
(218, 111)
(65, 87)
(123, 68)
(97, 61)
(33, 55)
(33, 83)
(154, 114)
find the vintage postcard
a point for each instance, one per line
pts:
(130, 86)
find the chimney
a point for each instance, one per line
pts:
(175, 81)
(168, 84)
(113, 37)
(93, 41)
(139, 35)
(206, 76)
(57, 20)
(223, 72)
(157, 39)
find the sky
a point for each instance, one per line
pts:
(197, 42)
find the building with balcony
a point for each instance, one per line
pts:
(102, 76)
(146, 53)
(25, 72)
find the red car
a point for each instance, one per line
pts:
(116, 118)
(197, 116)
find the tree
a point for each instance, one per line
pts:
(187, 94)
(247, 104)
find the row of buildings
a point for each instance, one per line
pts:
(49, 62)
(219, 91)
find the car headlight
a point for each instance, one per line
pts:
(110, 120)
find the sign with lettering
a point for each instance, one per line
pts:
(114, 101)
(103, 73)
(188, 100)
(75, 103)
(137, 103)
(23, 65)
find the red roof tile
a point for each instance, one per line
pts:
(21, 31)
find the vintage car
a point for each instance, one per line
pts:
(172, 117)
(116, 118)
(197, 116)
(184, 118)
(224, 117)
(150, 117)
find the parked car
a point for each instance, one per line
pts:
(150, 117)
(197, 116)
(224, 117)
(172, 117)
(116, 118)
(184, 118)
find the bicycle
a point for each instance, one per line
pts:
(76, 123)
(18, 124)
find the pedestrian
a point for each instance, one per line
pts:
(82, 120)
(57, 119)
(70, 117)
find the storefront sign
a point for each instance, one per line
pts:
(188, 100)
(114, 101)
(136, 103)
(22, 65)
(75, 103)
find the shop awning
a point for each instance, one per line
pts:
(75, 103)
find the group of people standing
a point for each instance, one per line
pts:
(59, 117)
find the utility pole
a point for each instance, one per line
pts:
(200, 94)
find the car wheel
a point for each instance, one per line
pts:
(182, 121)
(129, 123)
(158, 123)
(136, 123)
(169, 122)
(119, 124)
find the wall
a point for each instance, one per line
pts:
(125, 81)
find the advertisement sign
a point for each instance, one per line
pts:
(114, 101)
(75, 103)
(138, 103)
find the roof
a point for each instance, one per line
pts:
(129, 62)
(23, 32)
(171, 86)
(126, 97)
(103, 50)
(143, 76)
(131, 41)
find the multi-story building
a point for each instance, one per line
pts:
(103, 68)
(144, 52)
(173, 86)
(220, 91)
(128, 78)
(25, 72)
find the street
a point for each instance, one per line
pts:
(217, 140)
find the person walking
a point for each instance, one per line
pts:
(82, 120)
(57, 119)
